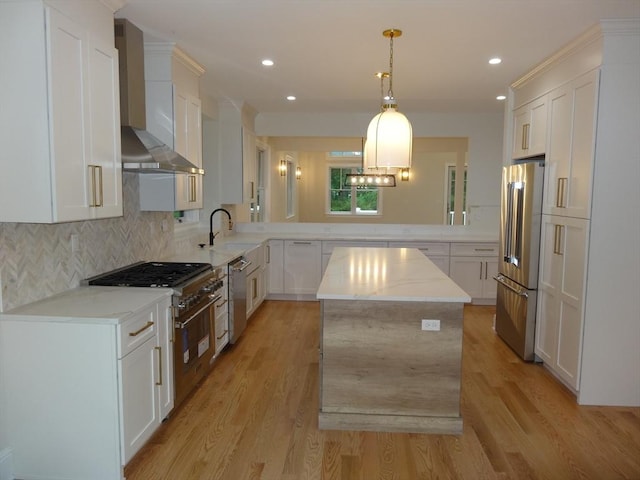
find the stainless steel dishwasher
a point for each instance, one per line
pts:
(237, 298)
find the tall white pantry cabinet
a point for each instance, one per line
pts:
(60, 112)
(587, 324)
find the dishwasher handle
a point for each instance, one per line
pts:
(239, 265)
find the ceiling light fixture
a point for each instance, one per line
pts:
(267, 62)
(291, 98)
(495, 61)
(501, 97)
(389, 136)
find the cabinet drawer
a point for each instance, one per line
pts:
(329, 245)
(136, 331)
(474, 249)
(428, 248)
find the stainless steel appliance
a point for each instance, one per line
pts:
(197, 287)
(237, 298)
(520, 220)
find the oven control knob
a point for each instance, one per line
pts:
(182, 305)
(207, 288)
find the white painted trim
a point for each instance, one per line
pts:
(6, 464)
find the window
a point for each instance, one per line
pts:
(451, 195)
(346, 199)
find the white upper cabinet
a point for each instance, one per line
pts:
(569, 160)
(60, 113)
(530, 129)
(174, 115)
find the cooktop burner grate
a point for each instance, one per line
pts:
(151, 274)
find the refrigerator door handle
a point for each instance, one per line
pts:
(519, 292)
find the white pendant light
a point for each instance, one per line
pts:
(389, 136)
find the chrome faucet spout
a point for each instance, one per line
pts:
(211, 235)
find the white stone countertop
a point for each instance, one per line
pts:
(229, 246)
(96, 305)
(387, 274)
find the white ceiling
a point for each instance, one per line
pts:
(327, 51)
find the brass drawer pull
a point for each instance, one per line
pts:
(138, 332)
(222, 335)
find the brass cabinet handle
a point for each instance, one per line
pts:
(557, 240)
(192, 188)
(159, 349)
(222, 335)
(221, 304)
(97, 191)
(138, 332)
(561, 192)
(525, 136)
(268, 253)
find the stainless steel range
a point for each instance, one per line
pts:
(199, 290)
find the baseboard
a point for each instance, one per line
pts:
(6, 466)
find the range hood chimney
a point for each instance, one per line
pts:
(141, 151)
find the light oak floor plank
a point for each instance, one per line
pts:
(256, 417)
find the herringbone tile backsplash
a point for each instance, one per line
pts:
(37, 261)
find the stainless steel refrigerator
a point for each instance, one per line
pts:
(520, 220)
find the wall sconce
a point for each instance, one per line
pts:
(298, 173)
(283, 168)
(404, 174)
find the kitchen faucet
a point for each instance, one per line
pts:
(211, 235)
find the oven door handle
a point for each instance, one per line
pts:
(211, 302)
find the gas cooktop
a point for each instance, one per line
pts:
(151, 274)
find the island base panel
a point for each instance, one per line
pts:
(390, 423)
(378, 364)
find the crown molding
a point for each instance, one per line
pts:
(594, 34)
(114, 5)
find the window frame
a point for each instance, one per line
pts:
(349, 164)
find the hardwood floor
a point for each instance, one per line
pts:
(255, 417)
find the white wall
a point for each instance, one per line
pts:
(483, 130)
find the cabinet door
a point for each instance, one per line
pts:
(468, 273)
(529, 129)
(561, 295)
(490, 287)
(569, 161)
(139, 398)
(249, 159)
(302, 267)
(164, 353)
(275, 267)
(69, 112)
(105, 165)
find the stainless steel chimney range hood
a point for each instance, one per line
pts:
(141, 151)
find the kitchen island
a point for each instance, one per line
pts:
(391, 343)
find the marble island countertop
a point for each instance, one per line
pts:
(388, 274)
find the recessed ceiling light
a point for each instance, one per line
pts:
(495, 61)
(267, 63)
(291, 98)
(501, 97)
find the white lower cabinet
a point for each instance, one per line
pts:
(255, 278)
(99, 383)
(302, 266)
(561, 286)
(275, 267)
(472, 266)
